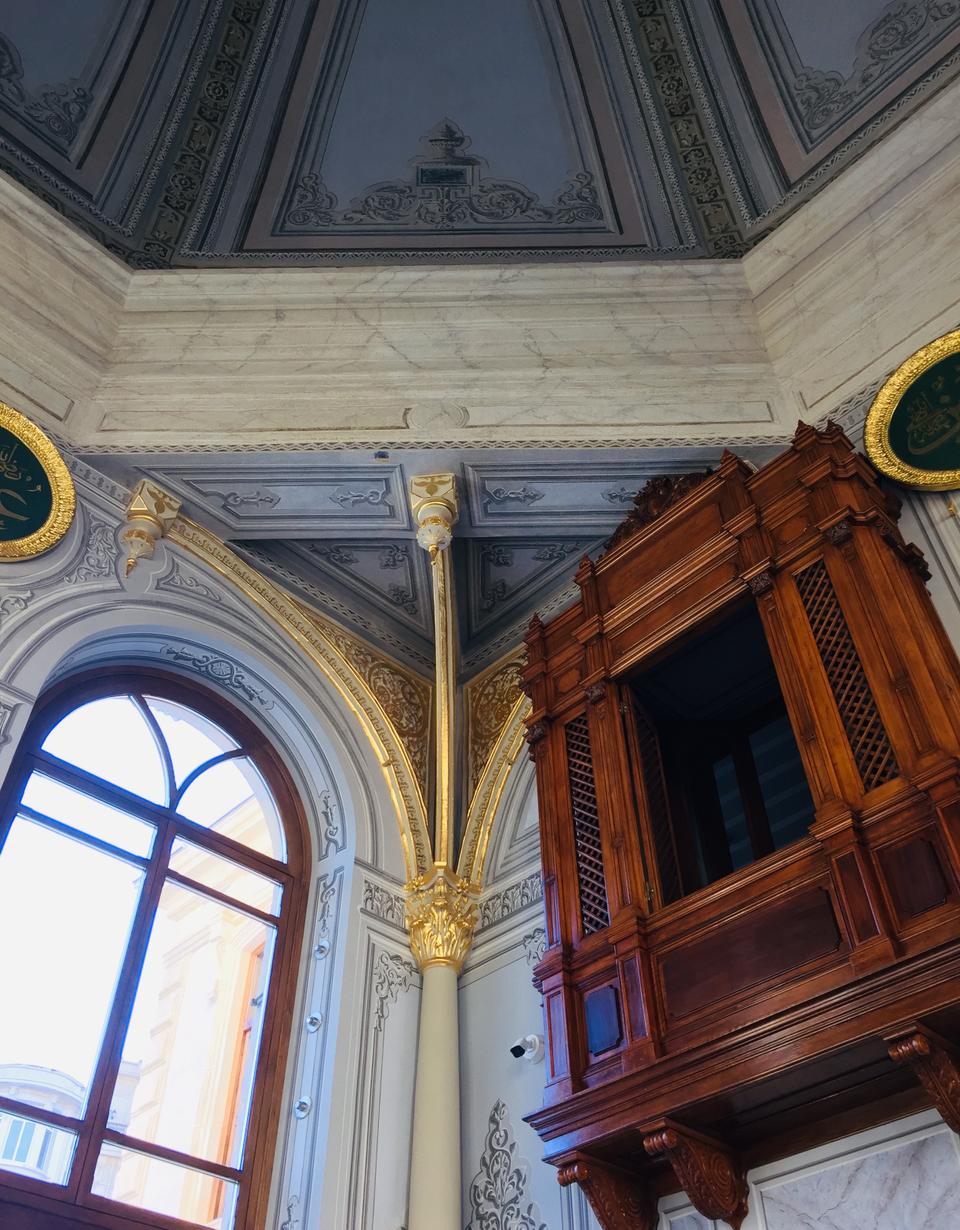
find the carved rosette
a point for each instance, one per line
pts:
(441, 918)
(620, 1201)
(710, 1175)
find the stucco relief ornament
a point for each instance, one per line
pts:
(446, 191)
(392, 975)
(498, 1191)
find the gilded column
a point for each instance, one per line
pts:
(441, 907)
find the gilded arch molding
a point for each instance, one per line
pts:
(365, 681)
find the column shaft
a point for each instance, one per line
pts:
(435, 1155)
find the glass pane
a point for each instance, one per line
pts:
(783, 783)
(225, 876)
(233, 798)
(164, 1187)
(31, 1148)
(111, 739)
(731, 809)
(65, 915)
(191, 739)
(195, 1032)
(80, 811)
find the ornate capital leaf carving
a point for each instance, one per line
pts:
(711, 1175)
(620, 1200)
(761, 583)
(441, 917)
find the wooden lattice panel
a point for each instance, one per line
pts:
(864, 728)
(594, 911)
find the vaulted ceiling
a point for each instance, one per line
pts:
(226, 132)
(338, 533)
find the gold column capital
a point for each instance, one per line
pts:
(433, 499)
(441, 918)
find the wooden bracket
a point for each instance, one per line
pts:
(935, 1063)
(620, 1200)
(711, 1175)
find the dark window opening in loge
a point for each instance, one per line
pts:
(717, 759)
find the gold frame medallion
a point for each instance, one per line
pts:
(63, 495)
(876, 430)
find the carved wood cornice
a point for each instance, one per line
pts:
(654, 498)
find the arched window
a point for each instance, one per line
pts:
(151, 905)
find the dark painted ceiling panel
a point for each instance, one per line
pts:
(192, 132)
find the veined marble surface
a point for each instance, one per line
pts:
(682, 353)
(911, 1186)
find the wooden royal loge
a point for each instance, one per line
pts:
(709, 1009)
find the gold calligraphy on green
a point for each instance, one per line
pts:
(912, 432)
(37, 499)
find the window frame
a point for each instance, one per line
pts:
(254, 1172)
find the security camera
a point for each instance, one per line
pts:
(529, 1047)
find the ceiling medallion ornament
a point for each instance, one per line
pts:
(912, 431)
(448, 190)
(37, 499)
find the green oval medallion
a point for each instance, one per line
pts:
(924, 429)
(26, 497)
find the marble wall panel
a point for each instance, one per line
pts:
(910, 1185)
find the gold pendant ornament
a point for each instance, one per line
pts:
(37, 497)
(912, 432)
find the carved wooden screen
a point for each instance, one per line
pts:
(594, 911)
(864, 727)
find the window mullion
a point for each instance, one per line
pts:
(108, 1065)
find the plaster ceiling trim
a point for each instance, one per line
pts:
(811, 110)
(284, 501)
